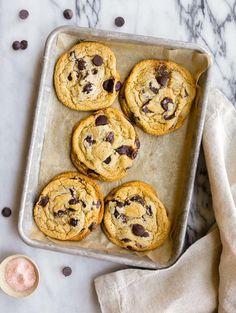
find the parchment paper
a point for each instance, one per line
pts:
(160, 159)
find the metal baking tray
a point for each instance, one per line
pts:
(30, 188)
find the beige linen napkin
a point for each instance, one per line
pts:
(204, 278)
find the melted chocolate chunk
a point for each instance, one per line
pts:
(73, 201)
(139, 230)
(118, 86)
(69, 77)
(149, 210)
(116, 213)
(127, 150)
(165, 102)
(90, 140)
(153, 89)
(94, 71)
(162, 75)
(107, 160)
(119, 204)
(169, 117)
(71, 192)
(129, 247)
(59, 213)
(73, 222)
(120, 215)
(92, 226)
(43, 201)
(145, 109)
(125, 240)
(137, 143)
(101, 120)
(81, 64)
(108, 85)
(138, 199)
(87, 88)
(110, 137)
(97, 60)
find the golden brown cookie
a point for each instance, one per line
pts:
(135, 218)
(86, 78)
(158, 96)
(69, 207)
(104, 145)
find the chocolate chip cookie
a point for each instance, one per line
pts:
(86, 78)
(135, 218)
(69, 207)
(104, 145)
(158, 95)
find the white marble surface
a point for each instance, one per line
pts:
(210, 22)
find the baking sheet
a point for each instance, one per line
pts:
(161, 160)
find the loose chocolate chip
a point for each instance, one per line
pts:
(108, 85)
(16, 45)
(73, 222)
(81, 64)
(67, 271)
(101, 120)
(110, 137)
(162, 75)
(138, 199)
(23, 44)
(69, 77)
(185, 93)
(137, 143)
(43, 201)
(165, 102)
(23, 14)
(94, 71)
(107, 160)
(138, 230)
(119, 21)
(153, 89)
(118, 86)
(125, 240)
(126, 150)
(88, 88)
(97, 60)
(90, 140)
(68, 14)
(149, 210)
(6, 212)
(59, 213)
(92, 226)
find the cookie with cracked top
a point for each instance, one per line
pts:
(69, 207)
(104, 145)
(86, 78)
(135, 218)
(158, 95)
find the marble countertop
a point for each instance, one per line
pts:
(211, 23)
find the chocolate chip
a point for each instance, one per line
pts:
(149, 210)
(83, 203)
(69, 77)
(23, 44)
(73, 222)
(169, 117)
(43, 201)
(118, 203)
(68, 14)
(101, 120)
(107, 160)
(119, 21)
(23, 14)
(88, 88)
(118, 86)
(92, 226)
(73, 201)
(145, 109)
(162, 75)
(126, 150)
(108, 85)
(123, 218)
(81, 64)
(90, 140)
(16, 45)
(132, 117)
(138, 199)
(125, 240)
(59, 213)
(138, 230)
(67, 271)
(137, 143)
(116, 213)
(71, 210)
(6, 212)
(186, 94)
(129, 247)
(97, 60)
(165, 102)
(153, 89)
(110, 137)
(94, 71)
(90, 171)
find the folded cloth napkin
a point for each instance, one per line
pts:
(204, 278)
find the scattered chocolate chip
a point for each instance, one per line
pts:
(110, 137)
(137, 143)
(81, 64)
(138, 199)
(59, 213)
(119, 21)
(162, 75)
(153, 89)
(69, 77)
(94, 71)
(92, 226)
(165, 102)
(73, 222)
(126, 150)
(101, 120)
(43, 201)
(90, 140)
(23, 14)
(185, 93)
(138, 230)
(118, 86)
(97, 60)
(107, 160)
(23, 44)
(88, 88)
(149, 210)
(68, 14)
(125, 240)
(67, 271)
(16, 45)
(6, 212)
(108, 85)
